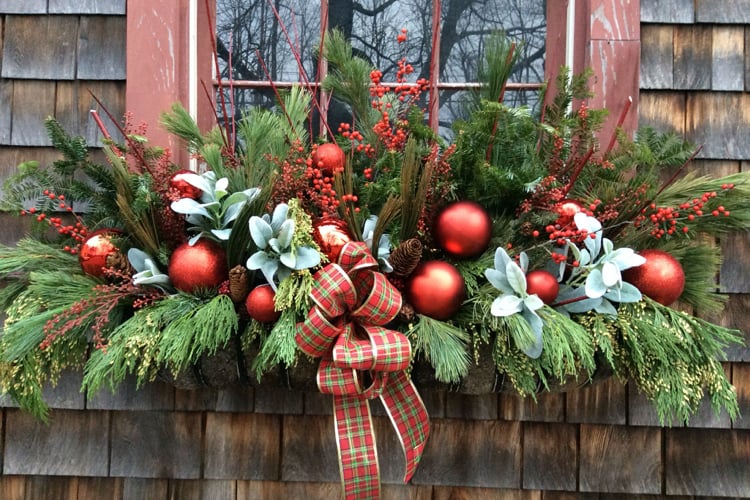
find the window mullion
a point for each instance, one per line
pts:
(434, 103)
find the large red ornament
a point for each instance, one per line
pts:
(329, 158)
(203, 265)
(94, 252)
(331, 234)
(544, 284)
(567, 209)
(463, 229)
(185, 189)
(661, 277)
(436, 289)
(260, 305)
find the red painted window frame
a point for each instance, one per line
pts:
(607, 39)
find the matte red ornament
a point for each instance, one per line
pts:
(463, 229)
(331, 234)
(567, 209)
(203, 265)
(94, 252)
(436, 289)
(329, 158)
(544, 284)
(661, 277)
(185, 189)
(260, 306)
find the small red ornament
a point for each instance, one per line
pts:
(436, 289)
(329, 158)
(331, 234)
(203, 265)
(544, 284)
(260, 305)
(185, 189)
(661, 277)
(94, 252)
(463, 229)
(567, 209)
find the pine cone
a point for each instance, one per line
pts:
(406, 257)
(239, 285)
(406, 314)
(117, 260)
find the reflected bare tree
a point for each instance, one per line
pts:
(253, 39)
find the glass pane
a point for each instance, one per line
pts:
(260, 48)
(466, 24)
(254, 45)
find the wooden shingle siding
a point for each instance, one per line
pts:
(40, 47)
(156, 445)
(619, 459)
(722, 11)
(100, 7)
(667, 11)
(657, 58)
(33, 101)
(707, 462)
(727, 58)
(23, 7)
(100, 48)
(550, 456)
(33, 447)
(720, 122)
(692, 57)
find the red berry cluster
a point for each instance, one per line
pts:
(669, 220)
(77, 231)
(356, 139)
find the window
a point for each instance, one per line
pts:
(259, 41)
(169, 52)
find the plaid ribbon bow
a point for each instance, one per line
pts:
(362, 360)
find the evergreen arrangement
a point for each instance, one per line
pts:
(523, 234)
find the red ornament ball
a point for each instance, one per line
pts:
(184, 189)
(203, 265)
(661, 277)
(463, 229)
(567, 209)
(260, 305)
(94, 252)
(329, 158)
(544, 284)
(436, 289)
(331, 234)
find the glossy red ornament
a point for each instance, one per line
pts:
(185, 189)
(544, 284)
(329, 158)
(94, 252)
(567, 209)
(203, 265)
(661, 277)
(331, 234)
(260, 305)
(436, 289)
(463, 229)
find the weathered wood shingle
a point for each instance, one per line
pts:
(692, 57)
(74, 443)
(242, 446)
(101, 48)
(667, 11)
(722, 12)
(23, 7)
(728, 58)
(550, 456)
(40, 47)
(99, 7)
(619, 459)
(708, 462)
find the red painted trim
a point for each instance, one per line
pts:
(157, 65)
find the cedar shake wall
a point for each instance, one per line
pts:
(159, 442)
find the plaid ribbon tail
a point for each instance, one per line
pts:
(409, 417)
(358, 458)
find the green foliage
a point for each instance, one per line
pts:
(278, 347)
(444, 345)
(673, 357)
